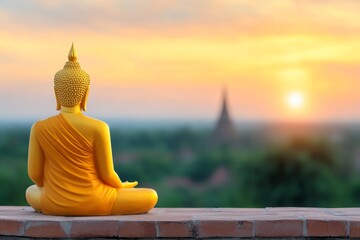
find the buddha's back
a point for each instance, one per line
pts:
(72, 185)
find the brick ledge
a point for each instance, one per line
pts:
(188, 223)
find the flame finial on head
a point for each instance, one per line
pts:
(72, 54)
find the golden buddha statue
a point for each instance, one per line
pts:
(70, 158)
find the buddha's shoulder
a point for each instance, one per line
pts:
(96, 124)
(44, 121)
(86, 123)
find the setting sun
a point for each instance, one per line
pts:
(295, 100)
(169, 59)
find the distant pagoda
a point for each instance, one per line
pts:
(224, 133)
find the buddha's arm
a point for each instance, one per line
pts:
(104, 161)
(35, 160)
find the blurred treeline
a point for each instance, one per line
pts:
(187, 171)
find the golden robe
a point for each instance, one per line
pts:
(71, 183)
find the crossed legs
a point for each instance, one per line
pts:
(134, 201)
(128, 201)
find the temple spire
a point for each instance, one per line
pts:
(224, 110)
(224, 132)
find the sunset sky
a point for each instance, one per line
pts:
(170, 59)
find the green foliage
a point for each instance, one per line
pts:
(284, 177)
(13, 182)
(149, 167)
(202, 167)
(13, 169)
(185, 171)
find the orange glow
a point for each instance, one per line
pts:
(172, 58)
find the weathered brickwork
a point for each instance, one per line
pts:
(188, 223)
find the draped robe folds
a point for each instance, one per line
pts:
(71, 182)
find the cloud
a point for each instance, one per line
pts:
(261, 50)
(203, 17)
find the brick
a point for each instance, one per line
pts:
(271, 223)
(11, 227)
(279, 228)
(245, 228)
(137, 229)
(173, 229)
(94, 228)
(355, 229)
(326, 228)
(224, 228)
(48, 229)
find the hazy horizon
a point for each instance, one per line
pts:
(201, 124)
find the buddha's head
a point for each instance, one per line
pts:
(71, 84)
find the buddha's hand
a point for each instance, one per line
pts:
(129, 184)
